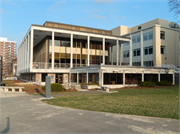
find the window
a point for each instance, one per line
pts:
(125, 54)
(139, 27)
(136, 52)
(136, 39)
(148, 50)
(148, 36)
(57, 43)
(162, 35)
(148, 63)
(136, 63)
(162, 49)
(125, 44)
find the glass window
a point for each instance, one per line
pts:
(151, 35)
(138, 52)
(139, 27)
(50, 42)
(162, 35)
(162, 49)
(125, 54)
(78, 44)
(146, 50)
(138, 38)
(144, 36)
(63, 43)
(151, 50)
(57, 43)
(134, 39)
(125, 44)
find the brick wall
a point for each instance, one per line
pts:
(38, 78)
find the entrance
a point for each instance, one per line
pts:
(60, 79)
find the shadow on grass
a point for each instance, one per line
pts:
(37, 91)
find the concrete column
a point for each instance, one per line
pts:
(31, 55)
(103, 51)
(100, 78)
(87, 76)
(52, 61)
(111, 55)
(102, 81)
(69, 77)
(120, 54)
(173, 78)
(27, 52)
(142, 49)
(124, 78)
(130, 51)
(71, 60)
(77, 77)
(159, 76)
(142, 76)
(117, 51)
(88, 44)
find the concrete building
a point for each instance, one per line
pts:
(8, 53)
(70, 53)
(154, 43)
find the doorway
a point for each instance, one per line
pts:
(60, 79)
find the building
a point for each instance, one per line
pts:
(70, 53)
(154, 43)
(14, 67)
(8, 53)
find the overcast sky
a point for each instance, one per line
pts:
(16, 16)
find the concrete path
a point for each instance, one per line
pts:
(23, 113)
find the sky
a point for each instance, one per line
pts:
(16, 16)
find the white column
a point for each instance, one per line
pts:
(52, 60)
(159, 76)
(130, 51)
(120, 46)
(111, 55)
(117, 51)
(27, 52)
(103, 51)
(142, 48)
(31, 55)
(88, 43)
(77, 77)
(123, 77)
(173, 82)
(142, 76)
(71, 60)
(70, 77)
(87, 76)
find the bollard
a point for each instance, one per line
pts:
(48, 86)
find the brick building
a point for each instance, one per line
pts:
(8, 53)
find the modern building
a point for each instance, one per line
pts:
(154, 43)
(70, 53)
(8, 53)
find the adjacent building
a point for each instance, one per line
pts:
(154, 43)
(8, 53)
(70, 53)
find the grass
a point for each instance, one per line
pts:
(156, 102)
(8, 83)
(59, 93)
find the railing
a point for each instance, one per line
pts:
(41, 65)
(176, 69)
(61, 65)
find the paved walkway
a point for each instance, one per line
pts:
(23, 113)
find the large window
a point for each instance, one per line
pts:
(162, 49)
(148, 63)
(136, 63)
(126, 44)
(125, 54)
(136, 52)
(148, 36)
(162, 35)
(148, 50)
(136, 39)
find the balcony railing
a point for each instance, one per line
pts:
(41, 65)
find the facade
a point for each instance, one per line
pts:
(153, 43)
(8, 53)
(14, 67)
(70, 53)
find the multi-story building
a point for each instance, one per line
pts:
(70, 53)
(153, 43)
(8, 53)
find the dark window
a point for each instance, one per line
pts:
(43, 77)
(138, 52)
(150, 50)
(162, 49)
(139, 27)
(162, 35)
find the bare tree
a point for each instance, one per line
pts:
(174, 6)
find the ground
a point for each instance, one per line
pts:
(23, 113)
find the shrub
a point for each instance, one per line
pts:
(164, 83)
(56, 87)
(147, 84)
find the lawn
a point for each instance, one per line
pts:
(156, 102)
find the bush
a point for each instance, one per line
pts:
(164, 83)
(147, 84)
(56, 87)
